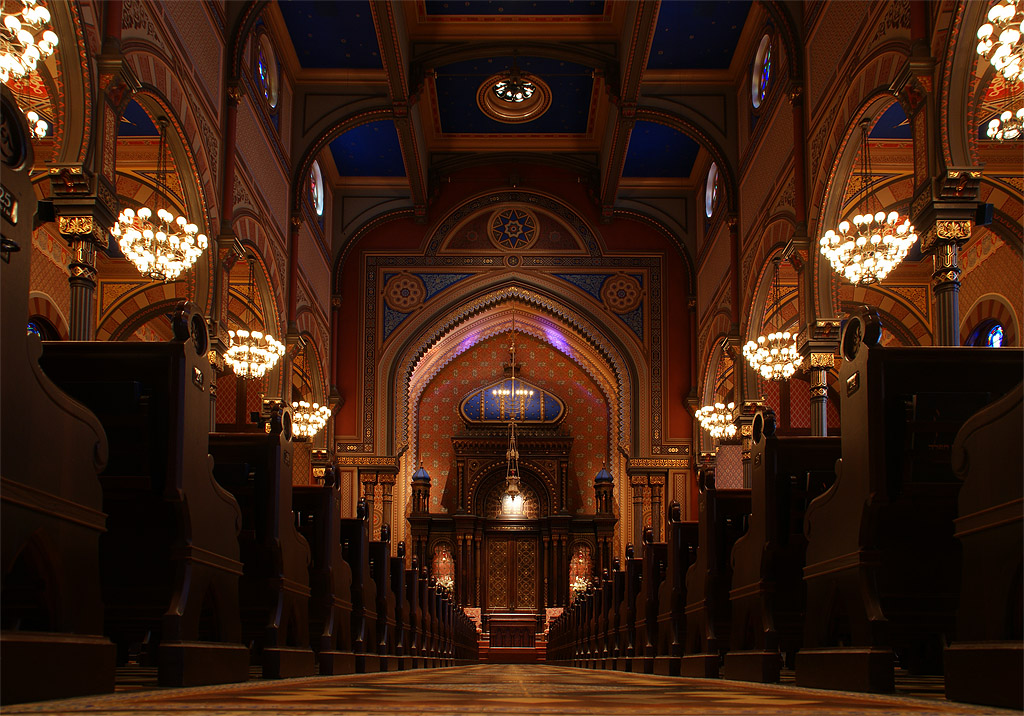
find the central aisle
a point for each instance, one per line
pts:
(496, 689)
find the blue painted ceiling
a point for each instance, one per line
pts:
(893, 124)
(515, 7)
(659, 151)
(697, 35)
(571, 88)
(369, 150)
(332, 34)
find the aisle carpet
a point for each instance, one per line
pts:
(496, 689)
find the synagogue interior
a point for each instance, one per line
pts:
(512, 356)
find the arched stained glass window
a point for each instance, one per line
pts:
(711, 191)
(266, 70)
(316, 188)
(762, 72)
(994, 339)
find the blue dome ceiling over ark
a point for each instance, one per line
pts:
(512, 399)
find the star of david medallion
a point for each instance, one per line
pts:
(513, 229)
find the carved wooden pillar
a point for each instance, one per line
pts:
(368, 480)
(387, 485)
(637, 483)
(657, 488)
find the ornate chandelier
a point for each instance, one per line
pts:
(25, 40)
(37, 126)
(308, 419)
(718, 419)
(512, 501)
(163, 248)
(252, 353)
(514, 86)
(774, 356)
(999, 41)
(877, 242)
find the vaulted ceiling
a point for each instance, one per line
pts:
(598, 57)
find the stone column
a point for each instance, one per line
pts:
(944, 243)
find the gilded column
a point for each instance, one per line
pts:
(944, 245)
(84, 235)
(821, 364)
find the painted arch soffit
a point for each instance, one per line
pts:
(421, 364)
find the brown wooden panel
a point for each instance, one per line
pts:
(497, 573)
(526, 573)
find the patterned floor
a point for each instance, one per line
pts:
(495, 689)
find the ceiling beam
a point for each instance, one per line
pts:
(637, 37)
(393, 44)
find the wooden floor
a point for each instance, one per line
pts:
(495, 689)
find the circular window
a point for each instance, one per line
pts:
(711, 191)
(266, 70)
(316, 188)
(513, 98)
(762, 72)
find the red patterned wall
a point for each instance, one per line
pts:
(586, 410)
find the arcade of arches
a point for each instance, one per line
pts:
(369, 204)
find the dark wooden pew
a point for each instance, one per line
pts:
(387, 625)
(986, 659)
(627, 611)
(318, 514)
(883, 566)
(618, 578)
(355, 542)
(603, 622)
(681, 549)
(257, 469)
(655, 559)
(722, 514)
(51, 503)
(403, 609)
(415, 634)
(170, 558)
(768, 593)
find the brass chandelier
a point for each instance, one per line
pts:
(1000, 42)
(877, 242)
(774, 356)
(163, 247)
(25, 40)
(308, 418)
(252, 353)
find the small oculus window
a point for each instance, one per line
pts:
(762, 72)
(316, 188)
(711, 191)
(266, 70)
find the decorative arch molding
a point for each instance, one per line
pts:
(356, 236)
(132, 310)
(419, 356)
(358, 113)
(543, 484)
(719, 326)
(489, 199)
(914, 326)
(786, 28)
(891, 325)
(959, 86)
(310, 328)
(72, 105)
(240, 34)
(775, 235)
(705, 139)
(159, 78)
(870, 91)
(661, 225)
(41, 304)
(757, 309)
(992, 305)
(250, 232)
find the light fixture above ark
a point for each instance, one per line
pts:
(252, 353)
(25, 38)
(1000, 42)
(866, 251)
(163, 248)
(774, 355)
(513, 96)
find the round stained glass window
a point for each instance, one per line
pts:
(316, 188)
(266, 70)
(762, 72)
(711, 191)
(995, 337)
